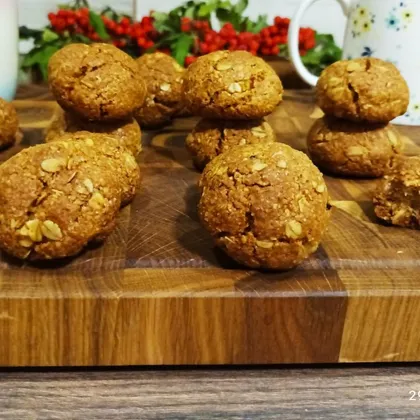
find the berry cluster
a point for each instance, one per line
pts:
(124, 32)
(142, 33)
(267, 43)
(74, 21)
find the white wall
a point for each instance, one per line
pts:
(33, 13)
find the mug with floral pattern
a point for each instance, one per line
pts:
(386, 29)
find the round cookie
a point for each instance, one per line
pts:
(363, 89)
(231, 85)
(127, 132)
(266, 205)
(96, 82)
(163, 77)
(353, 149)
(397, 198)
(9, 124)
(55, 201)
(118, 160)
(210, 138)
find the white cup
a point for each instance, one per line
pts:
(9, 55)
(386, 29)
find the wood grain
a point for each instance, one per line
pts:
(158, 292)
(351, 393)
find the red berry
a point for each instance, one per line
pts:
(84, 22)
(242, 47)
(265, 32)
(275, 50)
(266, 51)
(268, 42)
(84, 11)
(283, 39)
(185, 27)
(71, 21)
(119, 30)
(208, 38)
(254, 45)
(278, 21)
(204, 48)
(78, 14)
(189, 60)
(233, 42)
(309, 44)
(185, 20)
(273, 30)
(62, 13)
(198, 24)
(51, 16)
(141, 42)
(125, 21)
(276, 39)
(228, 26)
(205, 25)
(149, 44)
(95, 37)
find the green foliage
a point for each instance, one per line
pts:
(325, 53)
(98, 25)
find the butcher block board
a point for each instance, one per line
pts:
(159, 293)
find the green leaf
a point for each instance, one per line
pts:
(27, 33)
(39, 57)
(260, 24)
(181, 47)
(223, 15)
(190, 12)
(48, 35)
(82, 38)
(98, 25)
(323, 54)
(240, 7)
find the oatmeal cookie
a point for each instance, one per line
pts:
(353, 149)
(126, 131)
(163, 77)
(54, 201)
(9, 124)
(266, 205)
(397, 198)
(363, 89)
(213, 137)
(232, 85)
(118, 160)
(96, 82)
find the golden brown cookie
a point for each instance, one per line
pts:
(233, 85)
(363, 89)
(96, 82)
(210, 138)
(55, 201)
(163, 77)
(397, 198)
(118, 160)
(126, 131)
(9, 124)
(353, 149)
(266, 205)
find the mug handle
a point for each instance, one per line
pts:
(293, 39)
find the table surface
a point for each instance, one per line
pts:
(324, 393)
(362, 392)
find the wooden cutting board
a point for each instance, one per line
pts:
(158, 292)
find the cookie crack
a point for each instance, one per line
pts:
(355, 97)
(220, 141)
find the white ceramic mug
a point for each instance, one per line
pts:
(386, 29)
(9, 37)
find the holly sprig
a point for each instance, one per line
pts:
(185, 32)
